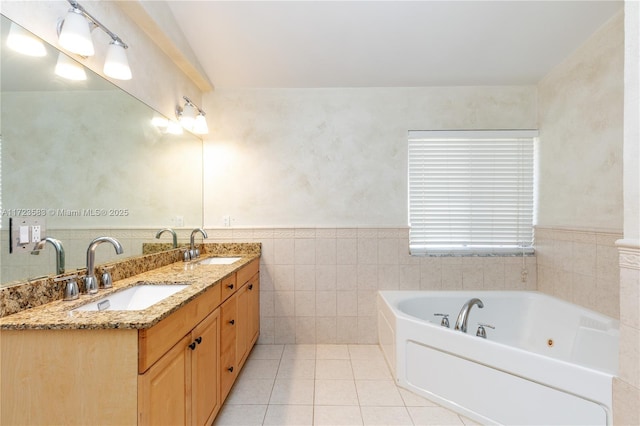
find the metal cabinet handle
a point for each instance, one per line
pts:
(232, 322)
(199, 339)
(230, 286)
(230, 369)
(192, 346)
(250, 286)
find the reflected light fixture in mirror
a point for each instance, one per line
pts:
(69, 69)
(74, 35)
(174, 128)
(192, 117)
(24, 42)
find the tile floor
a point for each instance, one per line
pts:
(325, 385)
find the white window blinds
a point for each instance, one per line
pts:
(471, 192)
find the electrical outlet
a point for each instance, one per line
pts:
(226, 221)
(35, 234)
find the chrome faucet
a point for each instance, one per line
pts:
(194, 253)
(90, 280)
(461, 322)
(57, 245)
(173, 233)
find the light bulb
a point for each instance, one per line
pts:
(69, 69)
(116, 64)
(200, 125)
(174, 128)
(24, 42)
(75, 35)
(188, 116)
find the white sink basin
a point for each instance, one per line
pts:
(219, 260)
(133, 299)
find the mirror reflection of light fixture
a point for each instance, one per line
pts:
(69, 69)
(24, 42)
(192, 117)
(174, 128)
(74, 35)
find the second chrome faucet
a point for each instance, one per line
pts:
(90, 280)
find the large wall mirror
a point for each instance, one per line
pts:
(84, 157)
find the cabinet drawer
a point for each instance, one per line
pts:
(157, 340)
(248, 271)
(228, 286)
(228, 326)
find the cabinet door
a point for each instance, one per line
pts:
(242, 330)
(165, 389)
(253, 289)
(228, 366)
(205, 401)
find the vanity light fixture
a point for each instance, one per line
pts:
(24, 42)
(74, 35)
(192, 117)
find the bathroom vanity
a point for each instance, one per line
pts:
(173, 363)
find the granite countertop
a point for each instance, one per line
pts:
(58, 315)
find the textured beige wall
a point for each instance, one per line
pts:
(581, 134)
(334, 157)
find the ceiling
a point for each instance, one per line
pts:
(384, 43)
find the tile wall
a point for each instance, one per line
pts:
(580, 266)
(318, 285)
(626, 387)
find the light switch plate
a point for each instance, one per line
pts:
(23, 232)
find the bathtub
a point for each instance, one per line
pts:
(546, 361)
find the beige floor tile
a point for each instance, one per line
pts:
(334, 369)
(335, 392)
(388, 416)
(378, 393)
(245, 415)
(429, 416)
(260, 369)
(414, 400)
(267, 352)
(370, 369)
(293, 368)
(289, 415)
(256, 391)
(299, 352)
(365, 352)
(337, 416)
(293, 392)
(332, 352)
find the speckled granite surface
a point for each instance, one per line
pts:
(58, 315)
(30, 294)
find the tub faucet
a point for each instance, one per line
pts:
(57, 245)
(194, 253)
(461, 322)
(173, 233)
(90, 281)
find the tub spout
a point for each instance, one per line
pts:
(461, 322)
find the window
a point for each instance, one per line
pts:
(471, 192)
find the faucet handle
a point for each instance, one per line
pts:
(445, 319)
(71, 291)
(481, 331)
(107, 281)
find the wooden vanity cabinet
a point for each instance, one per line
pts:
(181, 386)
(177, 372)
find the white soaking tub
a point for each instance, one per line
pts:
(546, 361)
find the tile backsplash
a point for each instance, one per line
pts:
(318, 285)
(580, 266)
